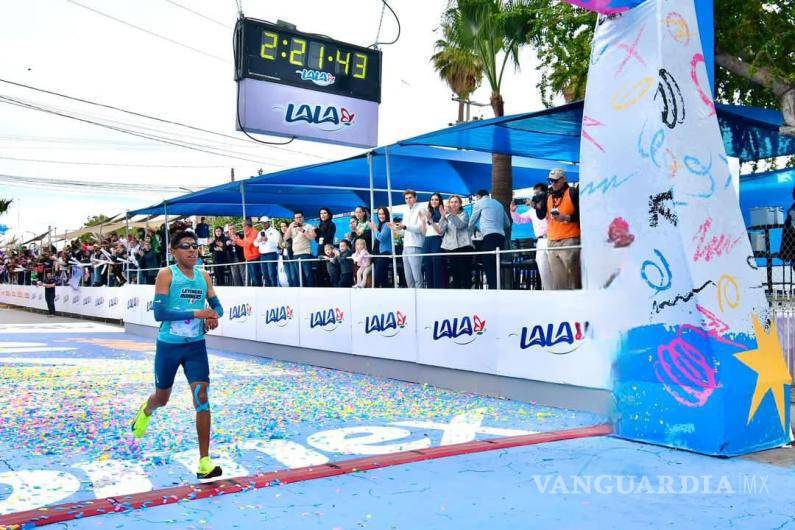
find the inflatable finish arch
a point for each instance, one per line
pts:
(700, 366)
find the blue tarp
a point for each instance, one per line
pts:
(748, 133)
(342, 185)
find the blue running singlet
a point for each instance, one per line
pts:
(184, 294)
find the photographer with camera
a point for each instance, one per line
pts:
(562, 213)
(536, 203)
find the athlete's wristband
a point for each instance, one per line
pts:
(215, 304)
(162, 313)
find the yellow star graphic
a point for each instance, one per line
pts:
(767, 360)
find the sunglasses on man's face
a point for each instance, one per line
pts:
(186, 246)
(552, 181)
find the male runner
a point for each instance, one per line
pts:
(179, 306)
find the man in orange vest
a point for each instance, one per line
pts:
(563, 230)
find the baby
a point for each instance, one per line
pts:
(362, 259)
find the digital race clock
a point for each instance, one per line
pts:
(269, 52)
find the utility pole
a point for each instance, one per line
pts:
(232, 174)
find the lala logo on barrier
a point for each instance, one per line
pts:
(149, 305)
(76, 299)
(385, 324)
(113, 302)
(99, 301)
(240, 312)
(325, 118)
(559, 339)
(132, 303)
(461, 330)
(280, 316)
(326, 319)
(86, 300)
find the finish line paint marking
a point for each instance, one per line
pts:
(119, 504)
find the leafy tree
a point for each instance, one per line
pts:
(754, 52)
(493, 31)
(460, 68)
(4, 205)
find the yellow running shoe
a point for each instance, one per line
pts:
(207, 469)
(141, 422)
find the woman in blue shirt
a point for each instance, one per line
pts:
(383, 234)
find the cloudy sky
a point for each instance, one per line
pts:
(177, 65)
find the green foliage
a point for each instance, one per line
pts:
(758, 32)
(461, 68)
(4, 205)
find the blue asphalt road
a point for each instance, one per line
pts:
(67, 399)
(527, 487)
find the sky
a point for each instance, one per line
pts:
(185, 75)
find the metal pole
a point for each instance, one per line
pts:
(372, 210)
(165, 229)
(300, 274)
(497, 259)
(129, 254)
(389, 202)
(243, 204)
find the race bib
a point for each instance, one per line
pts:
(187, 328)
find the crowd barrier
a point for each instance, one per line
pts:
(537, 335)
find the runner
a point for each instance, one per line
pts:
(179, 306)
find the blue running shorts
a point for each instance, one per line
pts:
(192, 356)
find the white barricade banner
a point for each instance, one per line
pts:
(553, 336)
(239, 320)
(384, 323)
(278, 315)
(326, 318)
(61, 298)
(133, 301)
(458, 329)
(147, 314)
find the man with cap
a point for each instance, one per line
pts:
(268, 243)
(562, 213)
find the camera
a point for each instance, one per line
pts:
(554, 211)
(262, 233)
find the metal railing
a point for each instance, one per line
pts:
(498, 253)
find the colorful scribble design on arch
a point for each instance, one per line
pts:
(692, 353)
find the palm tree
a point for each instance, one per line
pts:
(460, 68)
(4, 204)
(492, 30)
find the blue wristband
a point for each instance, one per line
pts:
(215, 304)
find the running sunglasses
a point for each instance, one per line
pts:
(186, 246)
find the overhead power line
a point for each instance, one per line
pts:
(185, 145)
(81, 185)
(110, 164)
(186, 8)
(149, 32)
(156, 118)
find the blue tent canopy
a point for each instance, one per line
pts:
(342, 185)
(748, 133)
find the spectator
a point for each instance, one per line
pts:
(202, 232)
(325, 231)
(353, 224)
(489, 215)
(562, 213)
(49, 292)
(346, 264)
(268, 243)
(98, 266)
(290, 267)
(383, 237)
(363, 261)
(220, 255)
(455, 239)
(535, 204)
(301, 235)
(235, 256)
(332, 257)
(362, 229)
(433, 265)
(149, 262)
(413, 231)
(250, 253)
